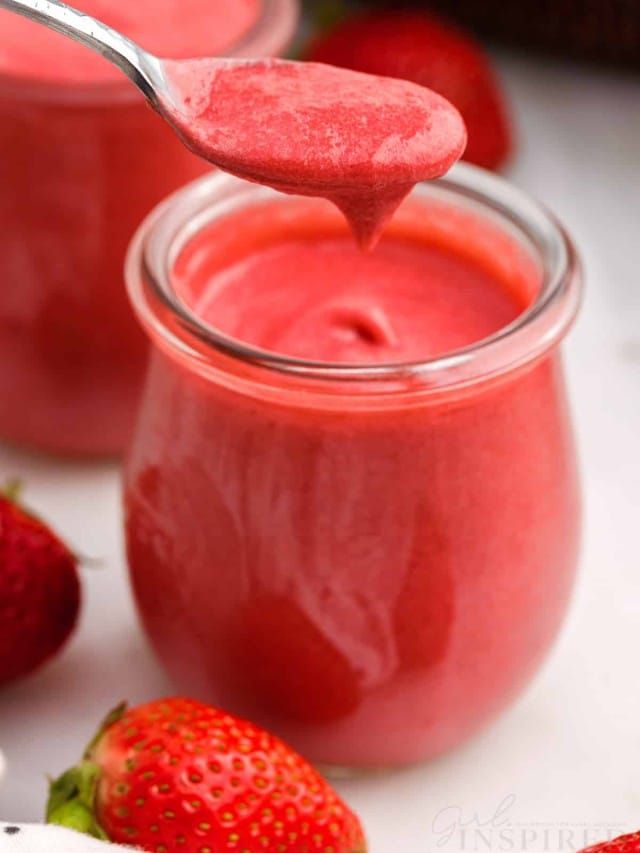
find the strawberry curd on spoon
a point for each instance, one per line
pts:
(359, 140)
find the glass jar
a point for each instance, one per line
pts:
(372, 561)
(80, 166)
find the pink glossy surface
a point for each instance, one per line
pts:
(374, 577)
(79, 168)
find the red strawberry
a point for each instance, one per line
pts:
(623, 844)
(423, 48)
(39, 591)
(177, 775)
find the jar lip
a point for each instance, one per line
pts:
(543, 324)
(272, 30)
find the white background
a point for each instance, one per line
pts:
(568, 754)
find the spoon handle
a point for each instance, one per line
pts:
(136, 63)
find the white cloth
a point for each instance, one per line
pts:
(39, 838)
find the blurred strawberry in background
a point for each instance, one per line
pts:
(426, 49)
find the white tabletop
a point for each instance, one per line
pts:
(565, 760)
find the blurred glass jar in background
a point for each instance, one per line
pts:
(83, 158)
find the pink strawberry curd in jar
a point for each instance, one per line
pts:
(82, 160)
(352, 507)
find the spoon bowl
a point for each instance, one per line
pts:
(312, 129)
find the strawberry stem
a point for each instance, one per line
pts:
(72, 798)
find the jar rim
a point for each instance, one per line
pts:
(272, 30)
(533, 332)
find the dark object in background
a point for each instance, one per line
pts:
(599, 30)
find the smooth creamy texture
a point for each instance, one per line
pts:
(171, 28)
(310, 129)
(286, 277)
(326, 300)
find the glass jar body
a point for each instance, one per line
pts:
(371, 565)
(373, 586)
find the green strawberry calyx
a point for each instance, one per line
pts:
(72, 796)
(71, 800)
